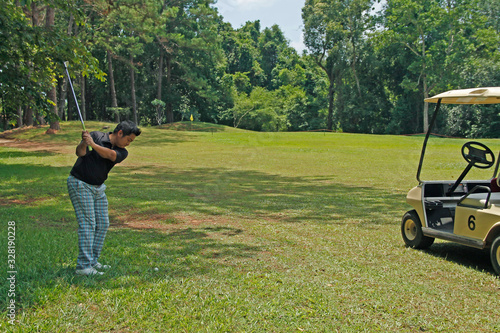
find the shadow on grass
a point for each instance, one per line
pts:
(253, 194)
(462, 255)
(46, 258)
(23, 154)
(148, 256)
(27, 186)
(184, 253)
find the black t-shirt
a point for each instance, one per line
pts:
(92, 168)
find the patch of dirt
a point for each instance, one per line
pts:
(9, 202)
(134, 221)
(7, 139)
(163, 221)
(34, 146)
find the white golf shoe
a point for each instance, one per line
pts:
(101, 266)
(88, 271)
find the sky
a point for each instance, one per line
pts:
(287, 14)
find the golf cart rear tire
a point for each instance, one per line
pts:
(411, 230)
(495, 254)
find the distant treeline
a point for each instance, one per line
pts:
(162, 61)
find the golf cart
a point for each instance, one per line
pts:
(463, 211)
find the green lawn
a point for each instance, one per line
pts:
(249, 232)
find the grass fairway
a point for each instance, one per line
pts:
(250, 232)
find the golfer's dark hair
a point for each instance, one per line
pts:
(128, 127)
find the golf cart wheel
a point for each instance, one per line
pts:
(495, 255)
(411, 230)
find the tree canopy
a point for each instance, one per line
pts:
(162, 61)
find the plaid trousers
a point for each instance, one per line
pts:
(91, 209)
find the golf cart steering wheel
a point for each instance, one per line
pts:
(478, 155)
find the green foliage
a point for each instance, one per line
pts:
(258, 111)
(363, 71)
(438, 40)
(333, 32)
(242, 82)
(32, 57)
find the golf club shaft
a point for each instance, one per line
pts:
(76, 101)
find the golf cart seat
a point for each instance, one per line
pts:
(479, 199)
(494, 185)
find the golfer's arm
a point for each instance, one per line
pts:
(81, 149)
(104, 152)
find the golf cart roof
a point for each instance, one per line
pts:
(487, 95)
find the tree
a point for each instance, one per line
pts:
(260, 111)
(52, 95)
(33, 51)
(185, 32)
(438, 35)
(332, 31)
(272, 43)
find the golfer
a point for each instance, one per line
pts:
(86, 190)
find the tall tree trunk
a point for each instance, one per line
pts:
(114, 101)
(353, 67)
(159, 87)
(339, 102)
(19, 116)
(34, 14)
(132, 87)
(28, 113)
(4, 119)
(426, 106)
(331, 93)
(61, 100)
(63, 95)
(39, 118)
(160, 75)
(52, 95)
(168, 106)
(28, 116)
(52, 114)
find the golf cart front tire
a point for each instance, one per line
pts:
(411, 230)
(495, 254)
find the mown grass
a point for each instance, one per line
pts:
(250, 232)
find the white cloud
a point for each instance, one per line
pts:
(298, 44)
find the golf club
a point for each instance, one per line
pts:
(73, 90)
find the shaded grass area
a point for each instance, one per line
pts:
(246, 193)
(250, 232)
